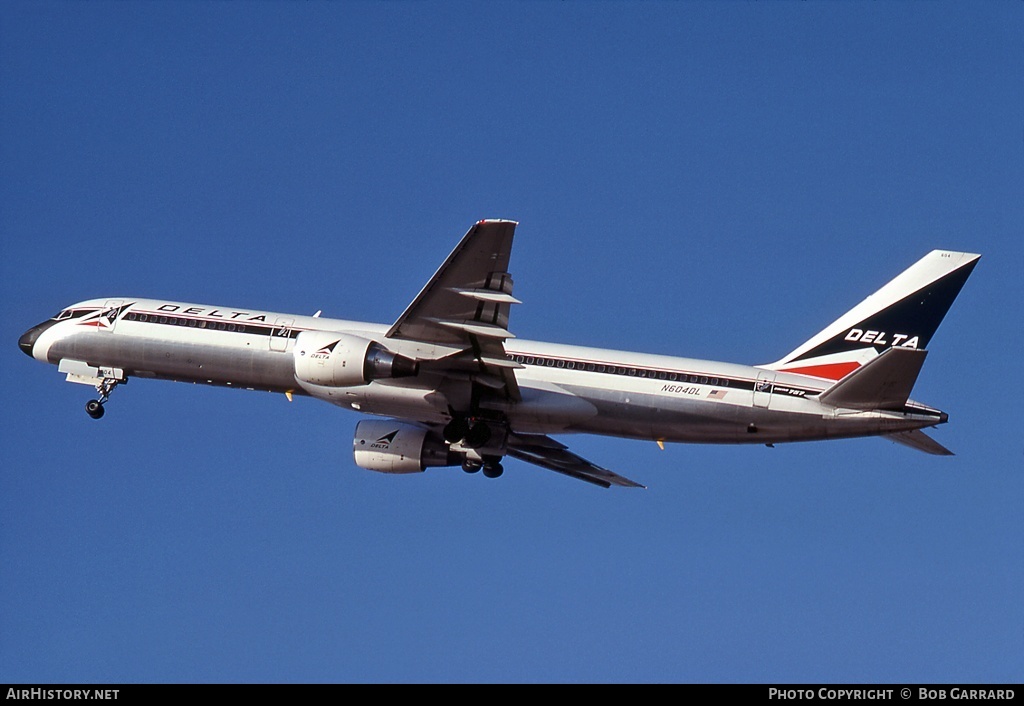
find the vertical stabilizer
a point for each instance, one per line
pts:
(903, 314)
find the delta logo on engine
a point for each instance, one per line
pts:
(384, 442)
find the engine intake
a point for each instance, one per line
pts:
(342, 360)
(395, 447)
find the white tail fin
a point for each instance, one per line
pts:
(903, 314)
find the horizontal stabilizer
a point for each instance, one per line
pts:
(883, 383)
(917, 439)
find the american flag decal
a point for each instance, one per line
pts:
(716, 394)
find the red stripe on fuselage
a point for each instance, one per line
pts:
(831, 371)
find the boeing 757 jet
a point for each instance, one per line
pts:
(450, 385)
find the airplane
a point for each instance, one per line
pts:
(449, 385)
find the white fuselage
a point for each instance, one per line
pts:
(563, 388)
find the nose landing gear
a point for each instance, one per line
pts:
(94, 408)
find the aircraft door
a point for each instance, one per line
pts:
(108, 318)
(281, 334)
(763, 388)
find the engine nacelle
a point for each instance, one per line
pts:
(342, 360)
(395, 447)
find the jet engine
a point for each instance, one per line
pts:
(395, 447)
(342, 360)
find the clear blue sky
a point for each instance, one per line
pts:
(715, 180)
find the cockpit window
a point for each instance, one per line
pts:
(74, 313)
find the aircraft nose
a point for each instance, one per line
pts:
(28, 339)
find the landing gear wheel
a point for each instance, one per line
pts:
(493, 469)
(470, 466)
(478, 435)
(455, 430)
(94, 408)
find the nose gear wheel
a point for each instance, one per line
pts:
(94, 408)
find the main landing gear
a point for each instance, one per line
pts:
(94, 408)
(491, 466)
(473, 435)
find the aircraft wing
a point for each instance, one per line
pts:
(466, 305)
(545, 452)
